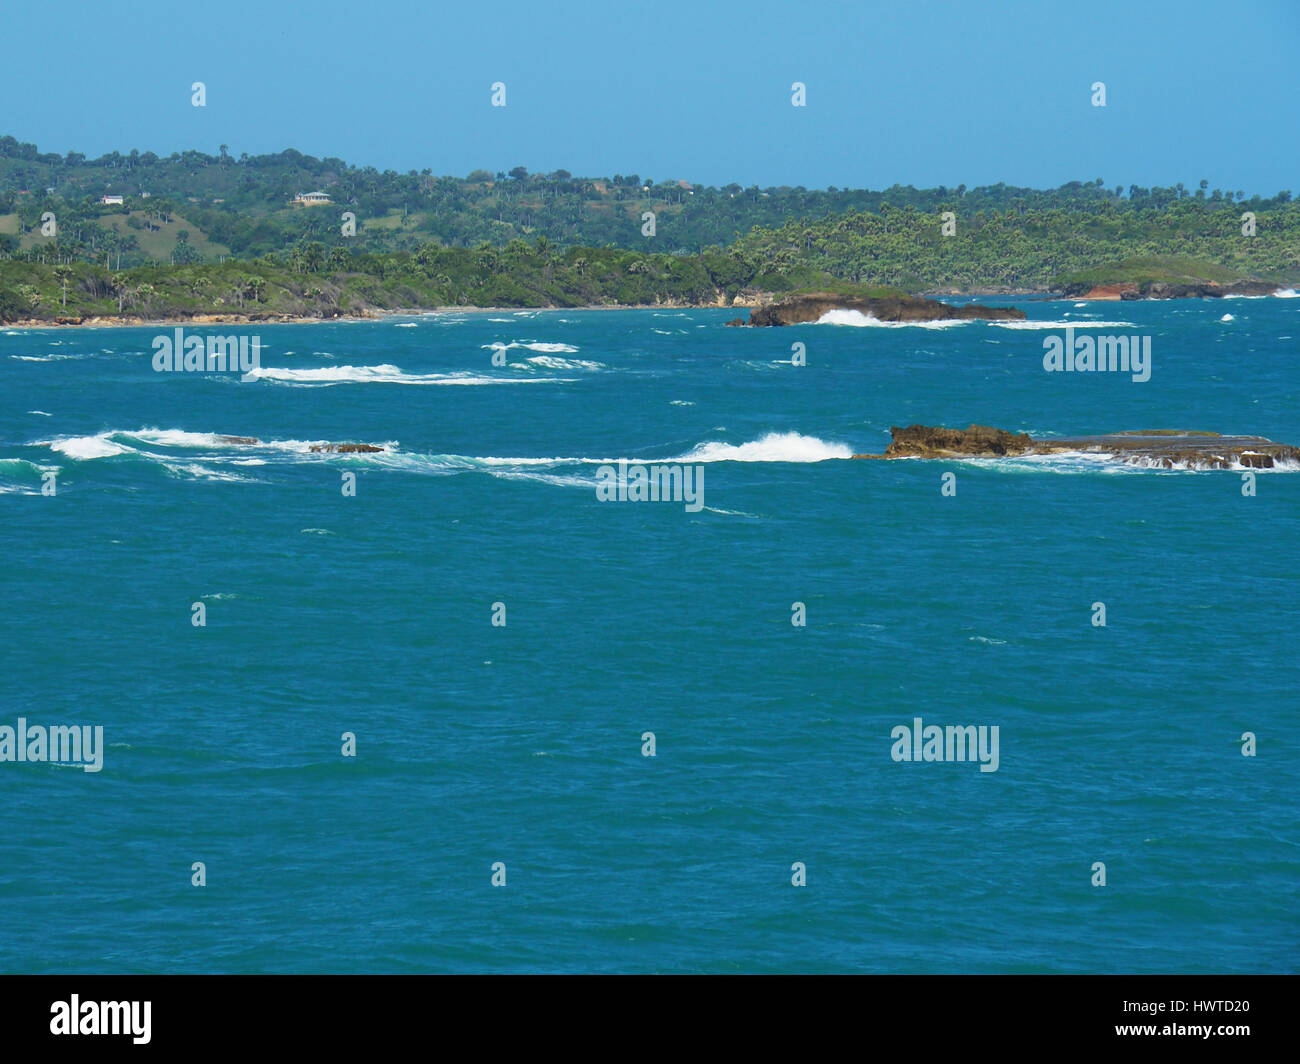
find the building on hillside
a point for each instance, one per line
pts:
(311, 199)
(111, 201)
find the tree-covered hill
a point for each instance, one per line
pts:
(1033, 248)
(191, 206)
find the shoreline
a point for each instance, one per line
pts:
(124, 321)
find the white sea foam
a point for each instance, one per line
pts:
(551, 362)
(859, 320)
(41, 412)
(1227, 317)
(222, 454)
(382, 374)
(1073, 323)
(557, 479)
(1286, 293)
(773, 447)
(198, 471)
(85, 448)
(175, 438)
(135, 441)
(1102, 462)
(533, 345)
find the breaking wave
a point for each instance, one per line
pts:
(774, 447)
(382, 374)
(533, 345)
(859, 320)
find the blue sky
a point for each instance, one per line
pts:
(925, 93)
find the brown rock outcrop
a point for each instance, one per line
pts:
(810, 306)
(1161, 448)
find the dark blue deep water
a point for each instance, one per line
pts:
(522, 743)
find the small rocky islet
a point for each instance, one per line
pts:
(807, 307)
(1159, 448)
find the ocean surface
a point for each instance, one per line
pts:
(522, 743)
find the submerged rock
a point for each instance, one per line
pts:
(1161, 448)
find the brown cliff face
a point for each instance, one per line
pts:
(810, 306)
(924, 441)
(1161, 448)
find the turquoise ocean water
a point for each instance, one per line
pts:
(522, 743)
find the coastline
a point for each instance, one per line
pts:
(126, 321)
(1101, 294)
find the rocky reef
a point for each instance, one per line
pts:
(316, 448)
(1159, 448)
(810, 306)
(346, 448)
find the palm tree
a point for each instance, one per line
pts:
(62, 273)
(313, 256)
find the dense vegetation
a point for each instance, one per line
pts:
(421, 239)
(343, 283)
(1033, 249)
